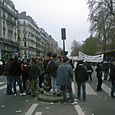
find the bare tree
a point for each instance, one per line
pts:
(102, 18)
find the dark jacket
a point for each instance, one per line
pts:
(52, 67)
(14, 69)
(89, 68)
(99, 70)
(25, 71)
(81, 74)
(112, 73)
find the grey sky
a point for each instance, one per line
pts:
(52, 15)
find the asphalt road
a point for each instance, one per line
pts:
(97, 103)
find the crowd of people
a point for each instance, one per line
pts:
(55, 74)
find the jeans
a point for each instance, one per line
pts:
(113, 87)
(9, 84)
(63, 88)
(19, 81)
(53, 83)
(83, 85)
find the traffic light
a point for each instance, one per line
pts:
(63, 33)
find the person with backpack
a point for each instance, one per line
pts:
(16, 72)
(81, 76)
(52, 70)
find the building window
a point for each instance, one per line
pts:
(24, 44)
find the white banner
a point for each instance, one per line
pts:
(88, 58)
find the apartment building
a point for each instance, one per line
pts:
(34, 41)
(9, 44)
(20, 35)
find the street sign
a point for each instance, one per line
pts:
(63, 33)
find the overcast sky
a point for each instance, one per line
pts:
(52, 15)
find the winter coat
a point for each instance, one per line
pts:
(81, 74)
(64, 74)
(25, 71)
(14, 69)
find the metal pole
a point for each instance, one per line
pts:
(64, 48)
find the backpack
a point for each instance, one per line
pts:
(51, 67)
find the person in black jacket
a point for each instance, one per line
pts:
(99, 70)
(25, 75)
(9, 77)
(112, 78)
(89, 70)
(15, 72)
(81, 78)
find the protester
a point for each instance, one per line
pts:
(89, 70)
(34, 73)
(25, 76)
(15, 72)
(106, 69)
(99, 71)
(65, 78)
(9, 77)
(41, 75)
(47, 78)
(52, 70)
(71, 63)
(112, 77)
(81, 78)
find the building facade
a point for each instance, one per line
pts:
(34, 41)
(9, 44)
(20, 35)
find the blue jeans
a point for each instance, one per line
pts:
(19, 81)
(113, 87)
(63, 88)
(53, 83)
(83, 85)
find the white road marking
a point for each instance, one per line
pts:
(38, 113)
(1, 83)
(106, 88)
(79, 110)
(32, 108)
(90, 90)
(74, 88)
(3, 87)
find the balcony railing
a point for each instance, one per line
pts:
(9, 42)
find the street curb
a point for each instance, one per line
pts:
(48, 97)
